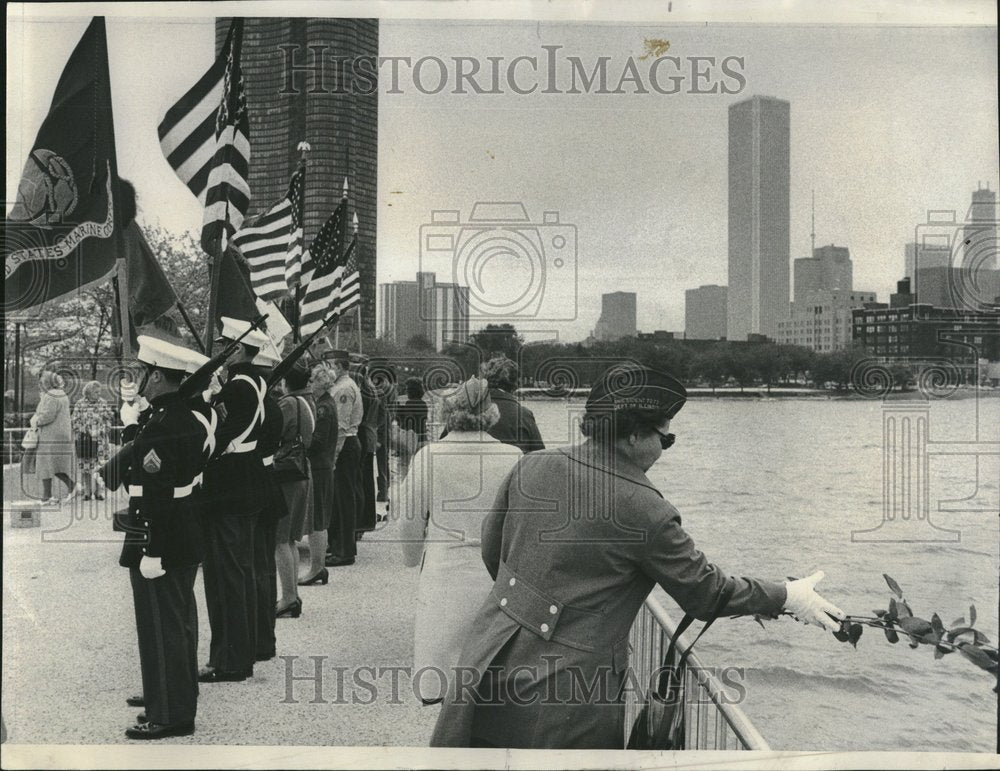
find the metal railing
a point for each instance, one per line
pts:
(711, 720)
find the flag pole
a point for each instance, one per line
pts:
(190, 326)
(304, 147)
(213, 295)
(357, 308)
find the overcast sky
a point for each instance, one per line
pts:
(886, 123)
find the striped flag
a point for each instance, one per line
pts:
(329, 274)
(273, 245)
(205, 138)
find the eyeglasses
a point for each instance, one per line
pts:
(666, 440)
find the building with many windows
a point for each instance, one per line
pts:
(759, 176)
(705, 310)
(829, 268)
(823, 320)
(425, 308)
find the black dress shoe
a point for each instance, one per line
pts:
(157, 731)
(135, 701)
(322, 577)
(289, 611)
(219, 676)
(336, 562)
(141, 718)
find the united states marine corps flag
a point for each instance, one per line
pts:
(62, 232)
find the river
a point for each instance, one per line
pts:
(776, 487)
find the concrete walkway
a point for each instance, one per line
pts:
(70, 655)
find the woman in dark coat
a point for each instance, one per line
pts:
(297, 425)
(577, 538)
(322, 457)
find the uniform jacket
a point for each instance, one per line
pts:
(373, 415)
(267, 446)
(576, 540)
(323, 445)
(350, 409)
(234, 480)
(164, 460)
(517, 423)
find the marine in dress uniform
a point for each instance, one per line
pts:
(577, 538)
(347, 493)
(234, 494)
(265, 569)
(163, 542)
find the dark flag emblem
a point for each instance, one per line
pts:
(62, 233)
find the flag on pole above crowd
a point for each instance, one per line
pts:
(206, 139)
(63, 230)
(273, 245)
(329, 272)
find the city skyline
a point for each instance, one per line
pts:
(645, 180)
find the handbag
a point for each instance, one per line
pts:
(86, 446)
(30, 440)
(290, 462)
(660, 723)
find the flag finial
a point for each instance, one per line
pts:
(355, 223)
(345, 187)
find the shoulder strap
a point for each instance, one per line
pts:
(667, 670)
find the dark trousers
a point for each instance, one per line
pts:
(266, 575)
(366, 515)
(230, 591)
(347, 498)
(166, 618)
(382, 458)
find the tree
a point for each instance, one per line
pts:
(710, 365)
(771, 363)
(496, 339)
(740, 364)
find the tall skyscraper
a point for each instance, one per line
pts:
(979, 236)
(829, 268)
(438, 312)
(296, 92)
(705, 311)
(758, 216)
(618, 317)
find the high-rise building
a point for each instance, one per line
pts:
(618, 317)
(979, 235)
(922, 256)
(958, 287)
(828, 269)
(437, 312)
(758, 216)
(705, 310)
(822, 320)
(296, 93)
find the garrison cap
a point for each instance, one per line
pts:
(635, 387)
(336, 354)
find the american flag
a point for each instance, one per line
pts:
(205, 138)
(273, 245)
(331, 278)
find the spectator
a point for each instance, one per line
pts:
(91, 422)
(517, 423)
(468, 466)
(322, 457)
(54, 455)
(297, 427)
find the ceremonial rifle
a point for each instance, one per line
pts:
(284, 366)
(200, 379)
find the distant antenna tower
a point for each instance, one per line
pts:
(813, 234)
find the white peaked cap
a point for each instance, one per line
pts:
(233, 328)
(160, 353)
(195, 360)
(267, 356)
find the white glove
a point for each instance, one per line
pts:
(808, 607)
(151, 568)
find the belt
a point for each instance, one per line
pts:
(268, 461)
(243, 447)
(135, 491)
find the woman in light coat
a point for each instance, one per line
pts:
(449, 488)
(54, 455)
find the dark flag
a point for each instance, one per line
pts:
(64, 228)
(236, 299)
(273, 247)
(150, 293)
(206, 139)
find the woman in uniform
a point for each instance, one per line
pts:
(577, 538)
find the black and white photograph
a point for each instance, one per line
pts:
(577, 385)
